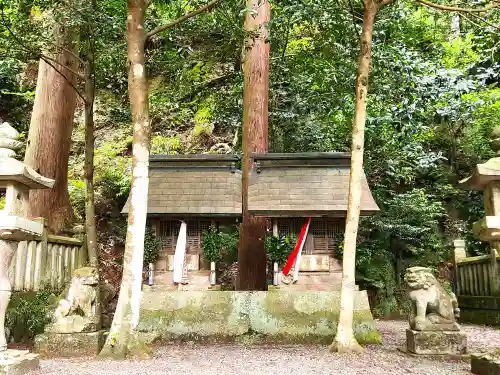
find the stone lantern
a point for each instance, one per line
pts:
(16, 180)
(486, 178)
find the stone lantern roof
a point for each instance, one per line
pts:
(17, 179)
(487, 172)
(13, 170)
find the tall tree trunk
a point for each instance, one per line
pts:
(344, 339)
(90, 224)
(251, 252)
(126, 316)
(49, 138)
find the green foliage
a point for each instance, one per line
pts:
(28, 314)
(151, 246)
(218, 245)
(76, 189)
(433, 100)
(165, 145)
(279, 247)
(2, 202)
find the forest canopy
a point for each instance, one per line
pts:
(433, 101)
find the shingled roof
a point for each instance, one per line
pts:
(307, 184)
(193, 185)
(280, 185)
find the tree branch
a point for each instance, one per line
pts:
(484, 20)
(74, 55)
(384, 3)
(179, 20)
(65, 78)
(42, 57)
(78, 75)
(447, 8)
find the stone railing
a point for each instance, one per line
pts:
(45, 261)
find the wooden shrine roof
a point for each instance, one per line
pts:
(193, 185)
(307, 184)
(280, 185)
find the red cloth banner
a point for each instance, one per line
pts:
(298, 246)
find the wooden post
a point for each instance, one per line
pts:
(458, 254)
(275, 227)
(275, 274)
(212, 273)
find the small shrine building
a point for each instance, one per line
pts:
(204, 190)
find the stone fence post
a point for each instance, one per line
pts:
(459, 253)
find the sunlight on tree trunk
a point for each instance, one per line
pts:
(344, 339)
(49, 138)
(126, 319)
(251, 252)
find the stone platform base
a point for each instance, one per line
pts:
(485, 364)
(436, 342)
(69, 344)
(271, 317)
(18, 362)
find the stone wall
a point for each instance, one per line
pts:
(276, 316)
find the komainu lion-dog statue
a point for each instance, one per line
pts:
(433, 309)
(79, 311)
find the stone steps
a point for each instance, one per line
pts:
(316, 281)
(198, 280)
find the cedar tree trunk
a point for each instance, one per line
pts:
(251, 252)
(49, 138)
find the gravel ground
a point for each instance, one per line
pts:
(301, 360)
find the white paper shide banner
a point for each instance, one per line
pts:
(180, 254)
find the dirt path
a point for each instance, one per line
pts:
(289, 360)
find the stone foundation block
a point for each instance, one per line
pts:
(18, 362)
(69, 344)
(485, 364)
(436, 342)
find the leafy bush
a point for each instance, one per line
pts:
(165, 145)
(151, 246)
(2, 202)
(218, 245)
(28, 314)
(279, 248)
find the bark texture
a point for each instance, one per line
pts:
(251, 252)
(90, 224)
(344, 339)
(119, 341)
(49, 138)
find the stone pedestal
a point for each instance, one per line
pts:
(18, 362)
(485, 364)
(81, 344)
(436, 342)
